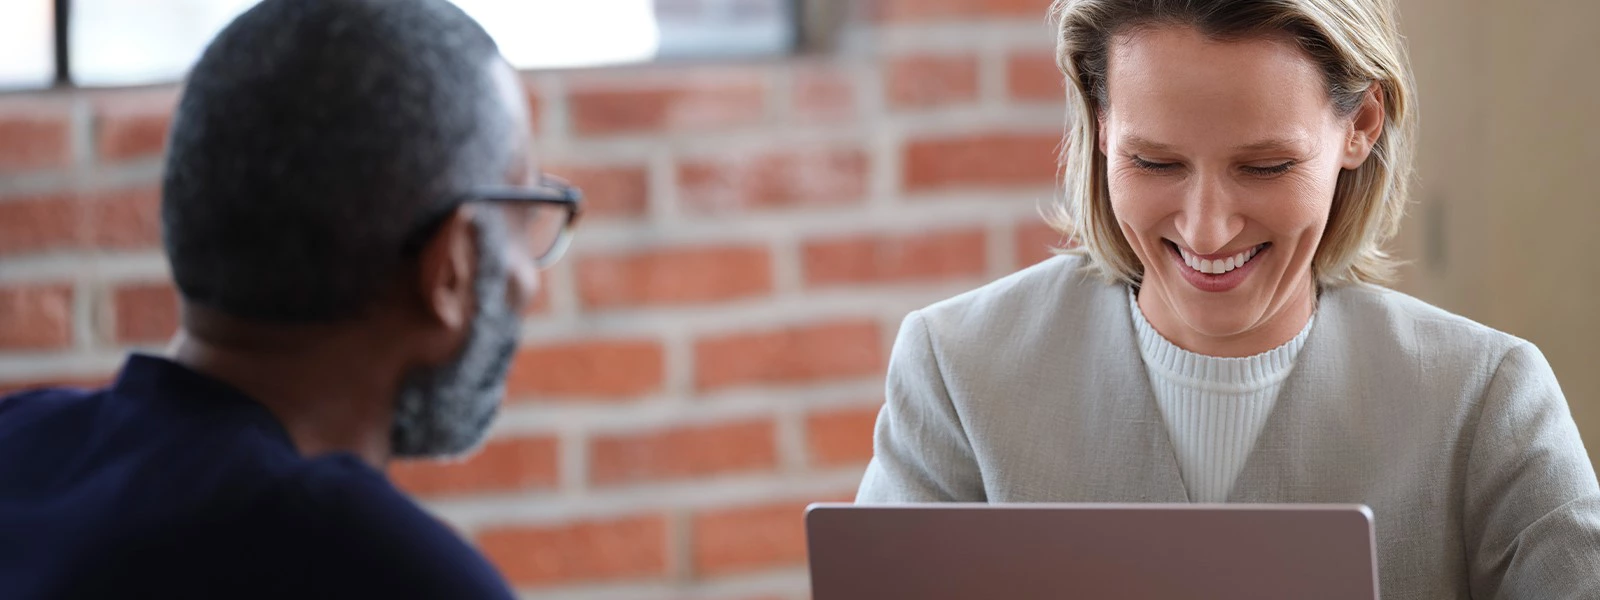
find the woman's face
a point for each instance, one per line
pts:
(1221, 163)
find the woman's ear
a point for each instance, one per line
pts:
(445, 272)
(1365, 128)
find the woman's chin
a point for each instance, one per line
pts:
(1208, 316)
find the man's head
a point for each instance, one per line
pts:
(317, 168)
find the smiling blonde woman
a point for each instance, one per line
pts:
(1233, 170)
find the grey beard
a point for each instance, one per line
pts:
(446, 411)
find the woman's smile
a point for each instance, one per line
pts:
(1217, 272)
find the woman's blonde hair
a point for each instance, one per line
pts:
(1356, 44)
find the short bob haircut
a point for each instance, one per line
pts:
(1356, 44)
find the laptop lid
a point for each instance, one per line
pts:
(1129, 551)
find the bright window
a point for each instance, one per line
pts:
(123, 42)
(27, 43)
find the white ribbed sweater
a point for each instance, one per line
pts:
(1214, 407)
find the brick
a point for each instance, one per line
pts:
(35, 133)
(123, 219)
(984, 160)
(145, 312)
(929, 81)
(599, 369)
(683, 453)
(503, 465)
(746, 539)
(841, 437)
(633, 548)
(794, 355)
(925, 256)
(913, 11)
(40, 223)
(1034, 77)
(822, 94)
(36, 317)
(118, 219)
(674, 277)
(810, 177)
(1035, 240)
(687, 104)
(133, 125)
(610, 192)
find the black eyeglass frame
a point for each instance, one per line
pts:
(549, 191)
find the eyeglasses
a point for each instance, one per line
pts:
(556, 205)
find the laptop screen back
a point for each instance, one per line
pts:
(1135, 552)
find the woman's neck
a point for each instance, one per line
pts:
(1280, 323)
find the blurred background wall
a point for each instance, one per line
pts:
(710, 357)
(1503, 227)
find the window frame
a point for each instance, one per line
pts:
(814, 29)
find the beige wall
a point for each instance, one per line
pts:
(1503, 230)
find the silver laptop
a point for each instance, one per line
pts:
(1127, 551)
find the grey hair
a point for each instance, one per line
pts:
(312, 137)
(446, 411)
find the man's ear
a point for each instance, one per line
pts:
(1365, 127)
(445, 272)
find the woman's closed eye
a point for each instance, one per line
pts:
(1270, 170)
(1153, 166)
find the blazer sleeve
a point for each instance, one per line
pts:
(1532, 504)
(920, 450)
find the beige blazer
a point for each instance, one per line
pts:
(1032, 389)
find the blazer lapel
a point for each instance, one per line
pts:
(1276, 469)
(1131, 440)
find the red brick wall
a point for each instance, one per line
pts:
(710, 359)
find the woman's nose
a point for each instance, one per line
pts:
(1209, 219)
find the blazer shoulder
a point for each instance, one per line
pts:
(1407, 316)
(1022, 298)
(1386, 325)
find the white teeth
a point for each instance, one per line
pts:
(1219, 266)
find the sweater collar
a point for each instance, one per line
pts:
(1169, 362)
